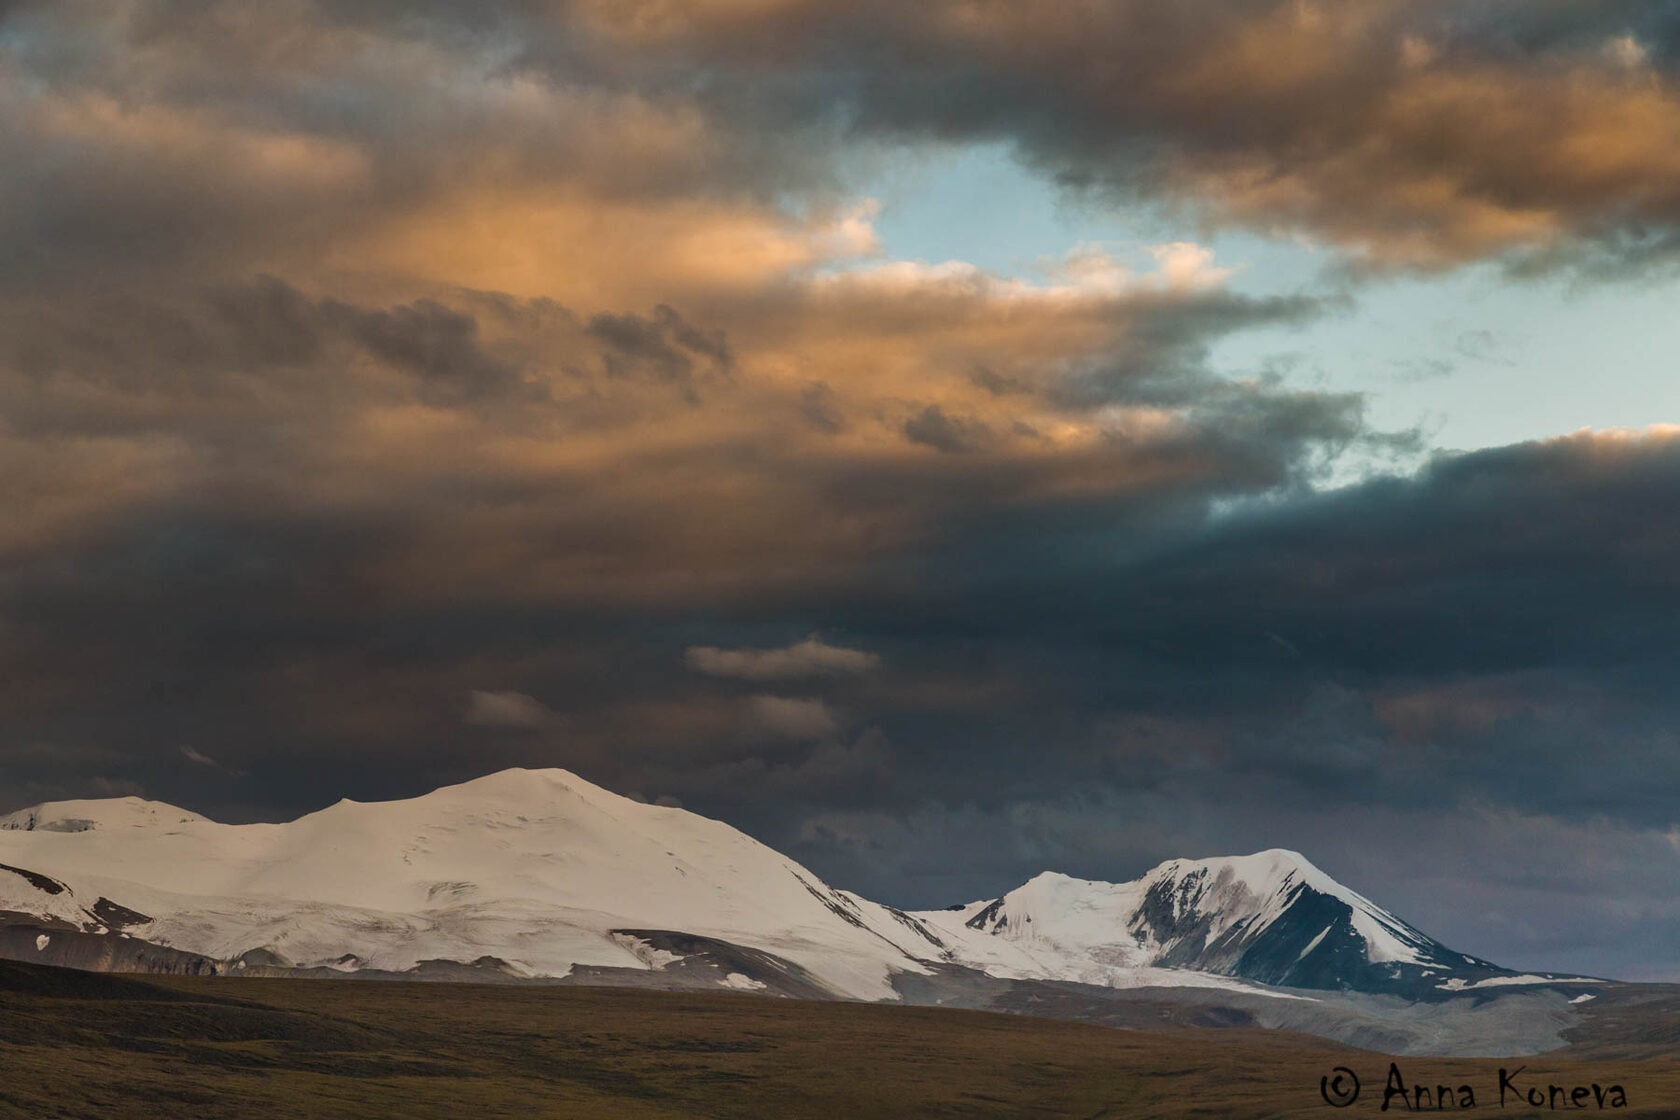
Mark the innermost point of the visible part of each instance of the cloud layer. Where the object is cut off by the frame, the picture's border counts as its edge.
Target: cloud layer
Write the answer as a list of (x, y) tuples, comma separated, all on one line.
[(390, 393), (809, 658)]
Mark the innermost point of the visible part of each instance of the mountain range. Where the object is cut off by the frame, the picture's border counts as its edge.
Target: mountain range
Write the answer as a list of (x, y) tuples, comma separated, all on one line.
[(540, 876)]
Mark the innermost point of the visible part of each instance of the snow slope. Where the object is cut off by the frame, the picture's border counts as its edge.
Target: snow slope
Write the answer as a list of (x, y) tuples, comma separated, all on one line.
[(547, 873), (1271, 917), (83, 816), (538, 868)]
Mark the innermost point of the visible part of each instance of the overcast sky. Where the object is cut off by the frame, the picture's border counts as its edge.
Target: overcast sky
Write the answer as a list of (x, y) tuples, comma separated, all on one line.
[(947, 440)]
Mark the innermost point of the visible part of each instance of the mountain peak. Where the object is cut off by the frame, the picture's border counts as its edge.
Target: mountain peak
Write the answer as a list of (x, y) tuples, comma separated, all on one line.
[(1286, 856), (1269, 863), (96, 813), (1271, 916), (524, 783), (515, 790)]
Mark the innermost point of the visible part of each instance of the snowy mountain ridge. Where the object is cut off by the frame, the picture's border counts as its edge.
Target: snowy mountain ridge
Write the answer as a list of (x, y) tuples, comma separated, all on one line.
[(84, 816), (1272, 917), (540, 874)]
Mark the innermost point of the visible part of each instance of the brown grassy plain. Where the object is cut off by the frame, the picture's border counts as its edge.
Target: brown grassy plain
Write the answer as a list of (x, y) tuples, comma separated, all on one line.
[(81, 1045)]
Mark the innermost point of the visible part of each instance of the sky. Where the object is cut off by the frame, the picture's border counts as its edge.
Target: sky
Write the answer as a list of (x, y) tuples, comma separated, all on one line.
[(948, 441)]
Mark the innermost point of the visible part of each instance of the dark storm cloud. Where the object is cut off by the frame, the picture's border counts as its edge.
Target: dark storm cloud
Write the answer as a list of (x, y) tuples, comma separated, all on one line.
[(1491, 632), (1495, 630), (246, 503)]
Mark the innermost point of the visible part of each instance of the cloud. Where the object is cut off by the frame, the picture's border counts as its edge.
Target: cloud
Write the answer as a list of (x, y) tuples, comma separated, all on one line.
[(349, 362), (809, 658), (931, 427), (1407, 135), (192, 755), (199, 758), (792, 718), (1484, 634), (615, 153), (508, 709)]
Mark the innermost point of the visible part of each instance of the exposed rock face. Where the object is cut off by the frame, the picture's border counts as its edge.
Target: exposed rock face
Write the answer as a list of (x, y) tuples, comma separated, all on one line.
[(96, 952)]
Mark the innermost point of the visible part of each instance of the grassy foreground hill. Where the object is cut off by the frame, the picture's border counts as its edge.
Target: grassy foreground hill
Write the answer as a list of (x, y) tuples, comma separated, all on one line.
[(83, 1045)]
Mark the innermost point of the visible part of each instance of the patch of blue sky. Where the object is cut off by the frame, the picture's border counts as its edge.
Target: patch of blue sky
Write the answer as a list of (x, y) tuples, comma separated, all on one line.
[(1473, 358)]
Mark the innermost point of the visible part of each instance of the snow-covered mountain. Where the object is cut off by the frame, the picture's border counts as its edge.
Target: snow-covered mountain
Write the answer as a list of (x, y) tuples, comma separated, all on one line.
[(537, 869), (539, 874), (1271, 917)]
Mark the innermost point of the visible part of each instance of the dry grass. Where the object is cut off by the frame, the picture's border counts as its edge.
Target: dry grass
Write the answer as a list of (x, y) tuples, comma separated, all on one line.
[(91, 1046)]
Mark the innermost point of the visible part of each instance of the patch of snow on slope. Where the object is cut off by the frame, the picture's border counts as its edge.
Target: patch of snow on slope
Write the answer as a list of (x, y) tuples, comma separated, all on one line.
[(1524, 980), (1314, 943)]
